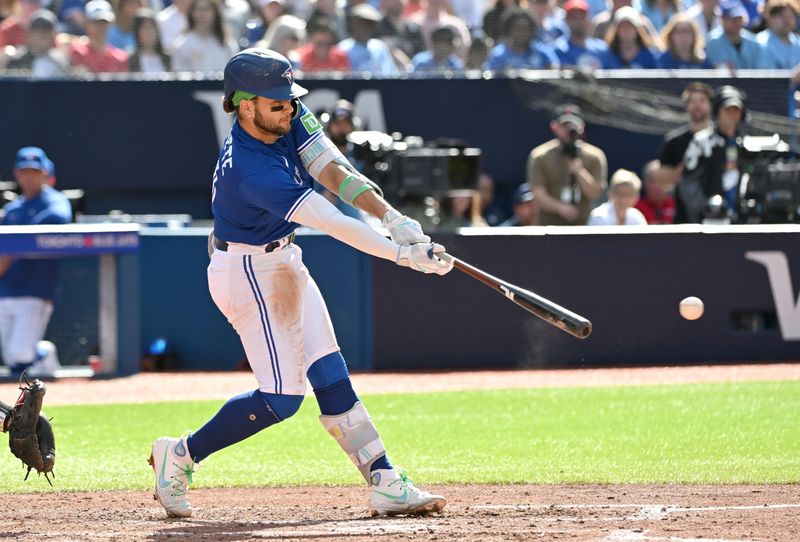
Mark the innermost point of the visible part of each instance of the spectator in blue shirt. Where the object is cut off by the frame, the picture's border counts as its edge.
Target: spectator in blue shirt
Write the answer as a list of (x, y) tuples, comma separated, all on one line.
[(781, 44), (367, 53), (685, 45), (518, 49), (754, 9), (442, 55), (580, 50), (478, 52), (120, 35), (731, 45), (658, 11), (629, 44), (602, 22), (549, 20)]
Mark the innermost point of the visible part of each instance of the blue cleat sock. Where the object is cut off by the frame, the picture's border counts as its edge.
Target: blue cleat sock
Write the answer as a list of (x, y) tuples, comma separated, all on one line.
[(381, 463), (335, 394), (242, 416)]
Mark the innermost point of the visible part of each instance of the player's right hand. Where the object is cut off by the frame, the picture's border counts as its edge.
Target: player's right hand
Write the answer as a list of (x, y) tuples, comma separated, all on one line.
[(423, 257), (404, 230)]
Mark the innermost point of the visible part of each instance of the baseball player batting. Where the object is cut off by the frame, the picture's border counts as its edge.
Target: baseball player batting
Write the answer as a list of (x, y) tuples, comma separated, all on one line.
[(262, 191)]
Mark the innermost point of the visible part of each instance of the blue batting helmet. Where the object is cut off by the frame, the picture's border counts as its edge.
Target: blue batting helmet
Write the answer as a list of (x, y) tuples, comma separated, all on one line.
[(262, 72)]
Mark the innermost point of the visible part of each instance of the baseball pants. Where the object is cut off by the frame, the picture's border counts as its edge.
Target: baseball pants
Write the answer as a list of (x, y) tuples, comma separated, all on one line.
[(23, 322), (277, 309)]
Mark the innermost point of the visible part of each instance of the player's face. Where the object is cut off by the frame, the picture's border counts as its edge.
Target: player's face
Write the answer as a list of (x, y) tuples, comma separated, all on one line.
[(30, 180), (273, 117)]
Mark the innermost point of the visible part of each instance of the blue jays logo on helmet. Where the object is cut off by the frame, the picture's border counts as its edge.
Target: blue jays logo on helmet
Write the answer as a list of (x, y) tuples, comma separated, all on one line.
[(262, 72), (289, 75)]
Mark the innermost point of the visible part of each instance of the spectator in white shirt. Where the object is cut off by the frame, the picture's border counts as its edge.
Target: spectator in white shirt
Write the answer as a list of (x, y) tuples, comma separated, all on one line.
[(205, 47), (433, 15), (619, 210), (172, 22), (365, 51), (707, 15), (149, 55)]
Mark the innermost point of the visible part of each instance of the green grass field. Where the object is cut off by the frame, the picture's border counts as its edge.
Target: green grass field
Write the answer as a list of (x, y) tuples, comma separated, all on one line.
[(713, 433)]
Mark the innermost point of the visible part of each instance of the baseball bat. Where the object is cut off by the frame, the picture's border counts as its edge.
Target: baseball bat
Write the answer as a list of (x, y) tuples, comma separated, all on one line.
[(550, 312)]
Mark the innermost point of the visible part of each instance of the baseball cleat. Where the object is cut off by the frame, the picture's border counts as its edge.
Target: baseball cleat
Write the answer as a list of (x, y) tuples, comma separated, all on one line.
[(391, 494), (173, 469)]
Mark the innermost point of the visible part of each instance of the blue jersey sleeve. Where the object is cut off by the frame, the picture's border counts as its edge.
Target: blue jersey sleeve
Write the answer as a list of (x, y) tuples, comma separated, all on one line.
[(59, 211), (305, 127), (276, 190), (312, 145)]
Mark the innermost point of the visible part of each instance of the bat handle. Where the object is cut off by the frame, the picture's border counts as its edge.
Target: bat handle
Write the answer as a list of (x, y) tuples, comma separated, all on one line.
[(444, 256)]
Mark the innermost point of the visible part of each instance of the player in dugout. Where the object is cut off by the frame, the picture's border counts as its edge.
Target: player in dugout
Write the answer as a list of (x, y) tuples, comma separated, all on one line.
[(28, 285), (262, 191)]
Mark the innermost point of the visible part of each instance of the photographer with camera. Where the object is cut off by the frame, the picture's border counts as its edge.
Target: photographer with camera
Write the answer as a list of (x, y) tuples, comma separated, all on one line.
[(567, 174), (711, 160)]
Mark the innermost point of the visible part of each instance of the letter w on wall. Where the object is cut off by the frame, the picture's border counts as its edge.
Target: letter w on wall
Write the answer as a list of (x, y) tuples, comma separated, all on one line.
[(780, 281)]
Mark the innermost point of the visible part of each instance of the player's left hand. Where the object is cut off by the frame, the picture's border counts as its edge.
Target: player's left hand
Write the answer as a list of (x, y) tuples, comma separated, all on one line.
[(30, 435), (404, 230)]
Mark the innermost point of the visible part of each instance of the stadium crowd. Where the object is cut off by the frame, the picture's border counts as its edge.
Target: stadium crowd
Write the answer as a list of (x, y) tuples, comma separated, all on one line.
[(54, 38)]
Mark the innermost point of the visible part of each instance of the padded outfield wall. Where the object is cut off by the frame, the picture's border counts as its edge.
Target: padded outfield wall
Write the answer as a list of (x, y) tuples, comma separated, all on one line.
[(628, 282)]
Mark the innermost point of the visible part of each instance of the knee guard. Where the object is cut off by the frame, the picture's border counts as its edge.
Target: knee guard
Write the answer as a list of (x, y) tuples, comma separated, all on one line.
[(357, 435), (282, 406)]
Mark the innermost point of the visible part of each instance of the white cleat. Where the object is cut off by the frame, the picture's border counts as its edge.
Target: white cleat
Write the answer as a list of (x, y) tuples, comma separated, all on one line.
[(173, 468), (391, 493)]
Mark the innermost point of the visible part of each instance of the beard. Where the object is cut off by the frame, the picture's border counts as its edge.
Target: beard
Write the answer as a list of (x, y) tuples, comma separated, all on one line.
[(273, 127), (698, 116)]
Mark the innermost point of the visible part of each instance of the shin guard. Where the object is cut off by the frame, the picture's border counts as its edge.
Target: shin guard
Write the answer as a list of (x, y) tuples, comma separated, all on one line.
[(357, 435)]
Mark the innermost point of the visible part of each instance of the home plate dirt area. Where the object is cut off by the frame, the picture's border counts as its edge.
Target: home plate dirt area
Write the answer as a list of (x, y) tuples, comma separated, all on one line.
[(517, 512), (672, 513)]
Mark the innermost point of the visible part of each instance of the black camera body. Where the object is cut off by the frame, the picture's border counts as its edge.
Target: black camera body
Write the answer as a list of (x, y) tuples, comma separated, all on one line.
[(770, 184), (412, 169)]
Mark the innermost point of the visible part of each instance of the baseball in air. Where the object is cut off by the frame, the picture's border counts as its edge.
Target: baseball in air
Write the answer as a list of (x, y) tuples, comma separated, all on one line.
[(691, 308)]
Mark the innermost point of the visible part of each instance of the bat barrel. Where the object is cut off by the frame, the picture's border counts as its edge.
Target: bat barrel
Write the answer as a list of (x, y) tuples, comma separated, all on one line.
[(552, 313)]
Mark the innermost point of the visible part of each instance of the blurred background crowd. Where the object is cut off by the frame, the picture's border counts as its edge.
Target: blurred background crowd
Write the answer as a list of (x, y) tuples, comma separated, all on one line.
[(52, 38)]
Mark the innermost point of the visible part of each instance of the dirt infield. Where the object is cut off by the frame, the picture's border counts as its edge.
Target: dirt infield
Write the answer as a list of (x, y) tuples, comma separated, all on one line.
[(199, 386), (675, 513), (485, 513)]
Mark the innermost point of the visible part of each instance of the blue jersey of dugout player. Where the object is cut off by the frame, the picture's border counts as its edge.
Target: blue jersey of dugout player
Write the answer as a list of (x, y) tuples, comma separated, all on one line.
[(262, 191)]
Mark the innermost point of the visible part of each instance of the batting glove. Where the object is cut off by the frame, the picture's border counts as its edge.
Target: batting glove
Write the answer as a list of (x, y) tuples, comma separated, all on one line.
[(424, 257), (403, 230)]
